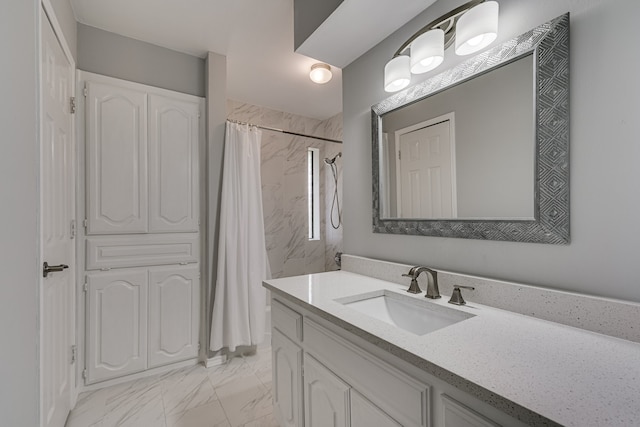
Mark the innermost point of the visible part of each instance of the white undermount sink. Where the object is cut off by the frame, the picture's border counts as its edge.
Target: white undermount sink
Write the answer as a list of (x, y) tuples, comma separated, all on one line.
[(411, 314)]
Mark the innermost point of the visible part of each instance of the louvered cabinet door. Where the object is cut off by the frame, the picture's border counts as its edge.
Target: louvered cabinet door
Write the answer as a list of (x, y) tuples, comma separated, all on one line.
[(116, 167), (173, 164)]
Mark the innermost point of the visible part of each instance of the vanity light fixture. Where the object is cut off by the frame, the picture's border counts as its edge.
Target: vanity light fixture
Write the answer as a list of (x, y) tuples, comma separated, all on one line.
[(472, 26), (320, 73)]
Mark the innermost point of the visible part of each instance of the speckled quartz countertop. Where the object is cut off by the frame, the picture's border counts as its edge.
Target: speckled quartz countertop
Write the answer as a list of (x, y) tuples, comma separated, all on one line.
[(563, 374)]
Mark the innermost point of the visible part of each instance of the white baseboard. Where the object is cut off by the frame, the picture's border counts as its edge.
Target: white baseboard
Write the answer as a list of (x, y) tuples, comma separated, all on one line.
[(215, 361)]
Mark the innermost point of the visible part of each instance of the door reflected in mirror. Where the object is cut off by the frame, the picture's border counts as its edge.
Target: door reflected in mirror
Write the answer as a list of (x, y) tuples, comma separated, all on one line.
[(467, 152)]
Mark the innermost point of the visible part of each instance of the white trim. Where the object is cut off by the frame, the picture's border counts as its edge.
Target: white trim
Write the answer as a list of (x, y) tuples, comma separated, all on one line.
[(57, 29), (100, 78), (212, 362), (451, 118), (143, 374), (49, 14)]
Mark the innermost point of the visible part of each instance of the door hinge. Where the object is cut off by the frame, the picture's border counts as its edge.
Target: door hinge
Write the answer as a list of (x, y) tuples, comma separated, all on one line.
[(399, 155), (85, 92), (85, 223), (85, 287), (84, 374), (74, 353), (73, 229), (72, 105), (198, 345)]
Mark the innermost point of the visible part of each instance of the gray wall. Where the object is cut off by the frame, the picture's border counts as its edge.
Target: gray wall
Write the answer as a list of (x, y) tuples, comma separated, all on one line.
[(308, 15), (67, 20), (19, 254), (494, 139), (117, 56), (602, 258)]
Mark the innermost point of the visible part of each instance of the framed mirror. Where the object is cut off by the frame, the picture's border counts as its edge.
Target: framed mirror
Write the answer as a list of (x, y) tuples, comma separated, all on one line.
[(480, 151)]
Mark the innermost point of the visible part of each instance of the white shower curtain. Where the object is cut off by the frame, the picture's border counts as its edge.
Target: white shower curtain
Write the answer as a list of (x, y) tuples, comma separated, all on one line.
[(239, 306)]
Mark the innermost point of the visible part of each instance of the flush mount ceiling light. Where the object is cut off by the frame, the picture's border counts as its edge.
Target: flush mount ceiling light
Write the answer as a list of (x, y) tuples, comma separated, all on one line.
[(472, 26), (320, 73)]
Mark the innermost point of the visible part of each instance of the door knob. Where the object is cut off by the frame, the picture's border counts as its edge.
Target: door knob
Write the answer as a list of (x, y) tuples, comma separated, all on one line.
[(46, 268)]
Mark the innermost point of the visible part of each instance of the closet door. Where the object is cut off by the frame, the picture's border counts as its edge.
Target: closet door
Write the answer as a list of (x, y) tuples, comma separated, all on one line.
[(117, 313), (174, 313), (173, 164), (117, 200)]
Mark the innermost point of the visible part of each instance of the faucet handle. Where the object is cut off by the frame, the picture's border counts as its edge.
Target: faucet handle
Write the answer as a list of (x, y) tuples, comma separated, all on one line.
[(456, 296), (414, 288)]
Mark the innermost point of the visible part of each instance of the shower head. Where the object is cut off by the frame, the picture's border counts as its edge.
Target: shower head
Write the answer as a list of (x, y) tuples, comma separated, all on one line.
[(333, 160)]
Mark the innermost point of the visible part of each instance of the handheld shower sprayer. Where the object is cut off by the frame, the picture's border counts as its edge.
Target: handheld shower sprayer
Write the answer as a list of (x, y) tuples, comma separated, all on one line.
[(335, 203), (333, 160)]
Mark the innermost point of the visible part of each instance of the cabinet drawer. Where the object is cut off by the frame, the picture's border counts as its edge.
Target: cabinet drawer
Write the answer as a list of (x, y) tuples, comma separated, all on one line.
[(458, 415), (393, 391), (141, 250), (286, 320)]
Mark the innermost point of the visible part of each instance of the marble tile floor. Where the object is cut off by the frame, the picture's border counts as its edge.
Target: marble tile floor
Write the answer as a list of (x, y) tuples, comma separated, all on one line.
[(236, 394)]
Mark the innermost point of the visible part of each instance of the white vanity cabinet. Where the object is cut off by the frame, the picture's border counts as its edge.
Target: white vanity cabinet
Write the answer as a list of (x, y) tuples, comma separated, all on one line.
[(344, 384)]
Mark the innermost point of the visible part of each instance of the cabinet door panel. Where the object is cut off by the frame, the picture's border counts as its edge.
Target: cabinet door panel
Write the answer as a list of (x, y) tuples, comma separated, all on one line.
[(326, 397), (366, 414), (287, 380), (117, 313), (173, 164), (174, 302), (117, 200)]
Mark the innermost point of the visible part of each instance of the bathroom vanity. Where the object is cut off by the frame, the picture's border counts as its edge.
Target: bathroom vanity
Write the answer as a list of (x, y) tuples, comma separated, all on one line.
[(353, 350)]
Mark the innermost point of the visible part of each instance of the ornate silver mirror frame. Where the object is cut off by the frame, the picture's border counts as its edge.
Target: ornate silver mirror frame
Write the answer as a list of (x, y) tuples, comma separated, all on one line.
[(549, 44)]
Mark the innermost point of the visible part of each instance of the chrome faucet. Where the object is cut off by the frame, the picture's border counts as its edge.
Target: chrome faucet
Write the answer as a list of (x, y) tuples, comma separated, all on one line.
[(432, 282)]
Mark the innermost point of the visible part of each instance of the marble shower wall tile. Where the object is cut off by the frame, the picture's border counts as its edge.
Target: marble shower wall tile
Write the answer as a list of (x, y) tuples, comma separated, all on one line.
[(284, 188), (333, 127)]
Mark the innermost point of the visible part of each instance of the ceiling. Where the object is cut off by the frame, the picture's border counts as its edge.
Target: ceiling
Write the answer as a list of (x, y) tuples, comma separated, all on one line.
[(255, 35)]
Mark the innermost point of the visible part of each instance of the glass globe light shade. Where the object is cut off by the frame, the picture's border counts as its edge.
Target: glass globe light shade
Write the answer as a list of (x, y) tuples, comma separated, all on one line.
[(320, 73)]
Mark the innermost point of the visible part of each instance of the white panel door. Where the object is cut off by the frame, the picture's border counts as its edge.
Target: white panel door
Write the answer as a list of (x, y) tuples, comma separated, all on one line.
[(117, 333), (57, 206), (173, 164), (117, 193), (287, 380), (174, 313), (426, 163), (326, 397), (366, 414)]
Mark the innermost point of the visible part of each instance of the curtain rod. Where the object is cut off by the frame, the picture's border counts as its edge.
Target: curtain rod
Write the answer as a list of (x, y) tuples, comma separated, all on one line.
[(285, 131)]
